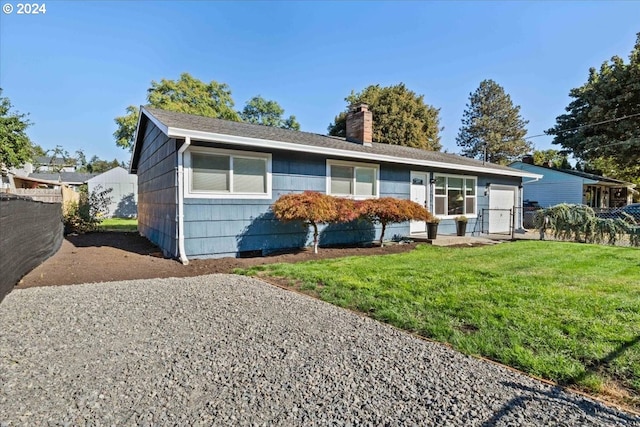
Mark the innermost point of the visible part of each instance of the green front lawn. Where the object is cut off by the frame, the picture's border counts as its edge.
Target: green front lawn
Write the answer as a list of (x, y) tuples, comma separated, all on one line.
[(563, 311), (119, 224)]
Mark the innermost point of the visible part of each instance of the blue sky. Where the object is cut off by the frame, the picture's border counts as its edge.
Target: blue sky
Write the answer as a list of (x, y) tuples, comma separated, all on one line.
[(81, 64)]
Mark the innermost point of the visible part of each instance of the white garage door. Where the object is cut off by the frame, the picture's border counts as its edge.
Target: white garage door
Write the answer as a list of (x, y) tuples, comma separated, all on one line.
[(501, 202)]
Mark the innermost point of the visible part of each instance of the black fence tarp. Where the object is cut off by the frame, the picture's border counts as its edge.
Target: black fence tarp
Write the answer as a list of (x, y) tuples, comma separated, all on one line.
[(30, 232)]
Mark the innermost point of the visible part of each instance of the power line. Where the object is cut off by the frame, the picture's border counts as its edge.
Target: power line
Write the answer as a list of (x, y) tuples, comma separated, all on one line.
[(629, 141), (585, 126)]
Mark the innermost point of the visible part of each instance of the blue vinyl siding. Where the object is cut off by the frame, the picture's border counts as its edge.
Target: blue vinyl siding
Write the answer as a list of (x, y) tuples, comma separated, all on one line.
[(474, 224), (554, 187), (217, 228), (157, 190), (226, 227)]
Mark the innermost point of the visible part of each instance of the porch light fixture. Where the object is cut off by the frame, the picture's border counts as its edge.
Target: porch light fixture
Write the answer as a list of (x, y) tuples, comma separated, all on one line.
[(486, 188), (432, 181)]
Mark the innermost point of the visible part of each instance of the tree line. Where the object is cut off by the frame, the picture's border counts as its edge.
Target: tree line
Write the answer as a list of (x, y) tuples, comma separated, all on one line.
[(600, 129)]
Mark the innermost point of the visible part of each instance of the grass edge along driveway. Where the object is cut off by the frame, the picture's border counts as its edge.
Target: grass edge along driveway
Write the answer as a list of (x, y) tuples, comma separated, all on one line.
[(566, 312)]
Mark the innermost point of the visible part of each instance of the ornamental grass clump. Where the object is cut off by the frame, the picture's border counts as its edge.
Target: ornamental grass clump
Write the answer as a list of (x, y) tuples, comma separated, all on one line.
[(580, 223)]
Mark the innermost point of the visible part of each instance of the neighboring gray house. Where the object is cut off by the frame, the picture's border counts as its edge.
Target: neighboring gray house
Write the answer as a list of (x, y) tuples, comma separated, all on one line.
[(124, 191), (576, 187), (205, 185), (54, 164)]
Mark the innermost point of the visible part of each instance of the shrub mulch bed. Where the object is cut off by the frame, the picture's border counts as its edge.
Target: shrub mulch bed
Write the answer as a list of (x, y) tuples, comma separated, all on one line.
[(109, 256)]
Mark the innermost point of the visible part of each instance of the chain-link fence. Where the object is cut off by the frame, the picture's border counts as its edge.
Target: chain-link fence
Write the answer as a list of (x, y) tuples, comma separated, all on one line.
[(610, 226), (497, 221), (615, 226), (629, 213)]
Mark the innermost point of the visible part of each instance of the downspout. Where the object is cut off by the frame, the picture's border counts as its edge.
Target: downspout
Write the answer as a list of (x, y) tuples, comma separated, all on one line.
[(181, 252), (521, 210)]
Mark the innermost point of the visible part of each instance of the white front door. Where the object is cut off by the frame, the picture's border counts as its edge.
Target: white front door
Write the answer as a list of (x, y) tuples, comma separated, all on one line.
[(502, 199), (420, 195)]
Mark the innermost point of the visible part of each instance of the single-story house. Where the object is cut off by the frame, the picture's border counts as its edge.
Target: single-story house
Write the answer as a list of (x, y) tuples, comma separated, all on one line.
[(54, 164), (70, 179), (124, 191), (205, 185), (38, 189), (25, 182), (575, 187)]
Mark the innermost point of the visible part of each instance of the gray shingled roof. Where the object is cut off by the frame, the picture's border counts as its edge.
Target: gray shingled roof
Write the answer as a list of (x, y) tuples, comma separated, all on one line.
[(580, 174), (54, 161), (206, 124), (64, 177), (588, 175)]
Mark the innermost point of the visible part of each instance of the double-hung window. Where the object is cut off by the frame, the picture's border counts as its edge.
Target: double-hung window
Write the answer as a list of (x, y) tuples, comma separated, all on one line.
[(455, 195), (348, 179), (226, 173)]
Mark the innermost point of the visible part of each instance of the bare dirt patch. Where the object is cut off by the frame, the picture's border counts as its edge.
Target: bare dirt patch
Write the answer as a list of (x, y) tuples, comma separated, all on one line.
[(105, 257)]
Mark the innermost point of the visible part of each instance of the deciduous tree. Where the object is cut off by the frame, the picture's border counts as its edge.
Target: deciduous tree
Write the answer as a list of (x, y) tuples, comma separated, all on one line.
[(59, 158), (97, 165), (387, 210), (313, 208), (603, 119), (15, 145), (186, 95), (492, 122), (269, 113), (126, 128), (557, 159), (400, 117)]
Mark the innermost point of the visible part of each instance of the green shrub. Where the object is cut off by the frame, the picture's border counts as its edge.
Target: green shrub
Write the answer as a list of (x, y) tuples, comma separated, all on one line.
[(580, 223), (85, 216)]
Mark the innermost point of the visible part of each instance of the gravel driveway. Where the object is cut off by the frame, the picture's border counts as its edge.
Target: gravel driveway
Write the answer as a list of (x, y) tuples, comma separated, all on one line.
[(231, 350)]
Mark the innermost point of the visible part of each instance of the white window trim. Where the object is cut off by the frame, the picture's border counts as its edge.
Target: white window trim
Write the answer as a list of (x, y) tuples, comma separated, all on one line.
[(475, 203), (225, 195), (374, 166)]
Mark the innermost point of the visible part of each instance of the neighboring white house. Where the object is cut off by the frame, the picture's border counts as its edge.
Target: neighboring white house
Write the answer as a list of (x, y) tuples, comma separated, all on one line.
[(577, 187), (124, 194)]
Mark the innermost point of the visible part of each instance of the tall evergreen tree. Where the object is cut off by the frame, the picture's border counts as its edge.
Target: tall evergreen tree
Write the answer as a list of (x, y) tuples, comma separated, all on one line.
[(400, 117), (492, 122), (602, 123)]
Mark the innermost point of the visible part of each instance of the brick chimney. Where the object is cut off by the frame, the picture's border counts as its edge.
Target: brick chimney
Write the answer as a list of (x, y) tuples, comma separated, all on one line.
[(360, 125), (528, 159)]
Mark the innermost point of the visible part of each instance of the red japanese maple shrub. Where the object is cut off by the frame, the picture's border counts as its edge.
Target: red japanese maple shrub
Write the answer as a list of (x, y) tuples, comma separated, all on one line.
[(314, 208), (386, 210)]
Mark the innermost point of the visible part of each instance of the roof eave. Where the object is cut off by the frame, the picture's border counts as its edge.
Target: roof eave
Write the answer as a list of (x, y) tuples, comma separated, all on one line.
[(173, 132), (42, 181), (586, 180), (135, 152)]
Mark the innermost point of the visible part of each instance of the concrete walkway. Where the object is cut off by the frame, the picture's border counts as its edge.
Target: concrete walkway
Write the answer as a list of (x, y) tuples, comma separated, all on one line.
[(473, 240)]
